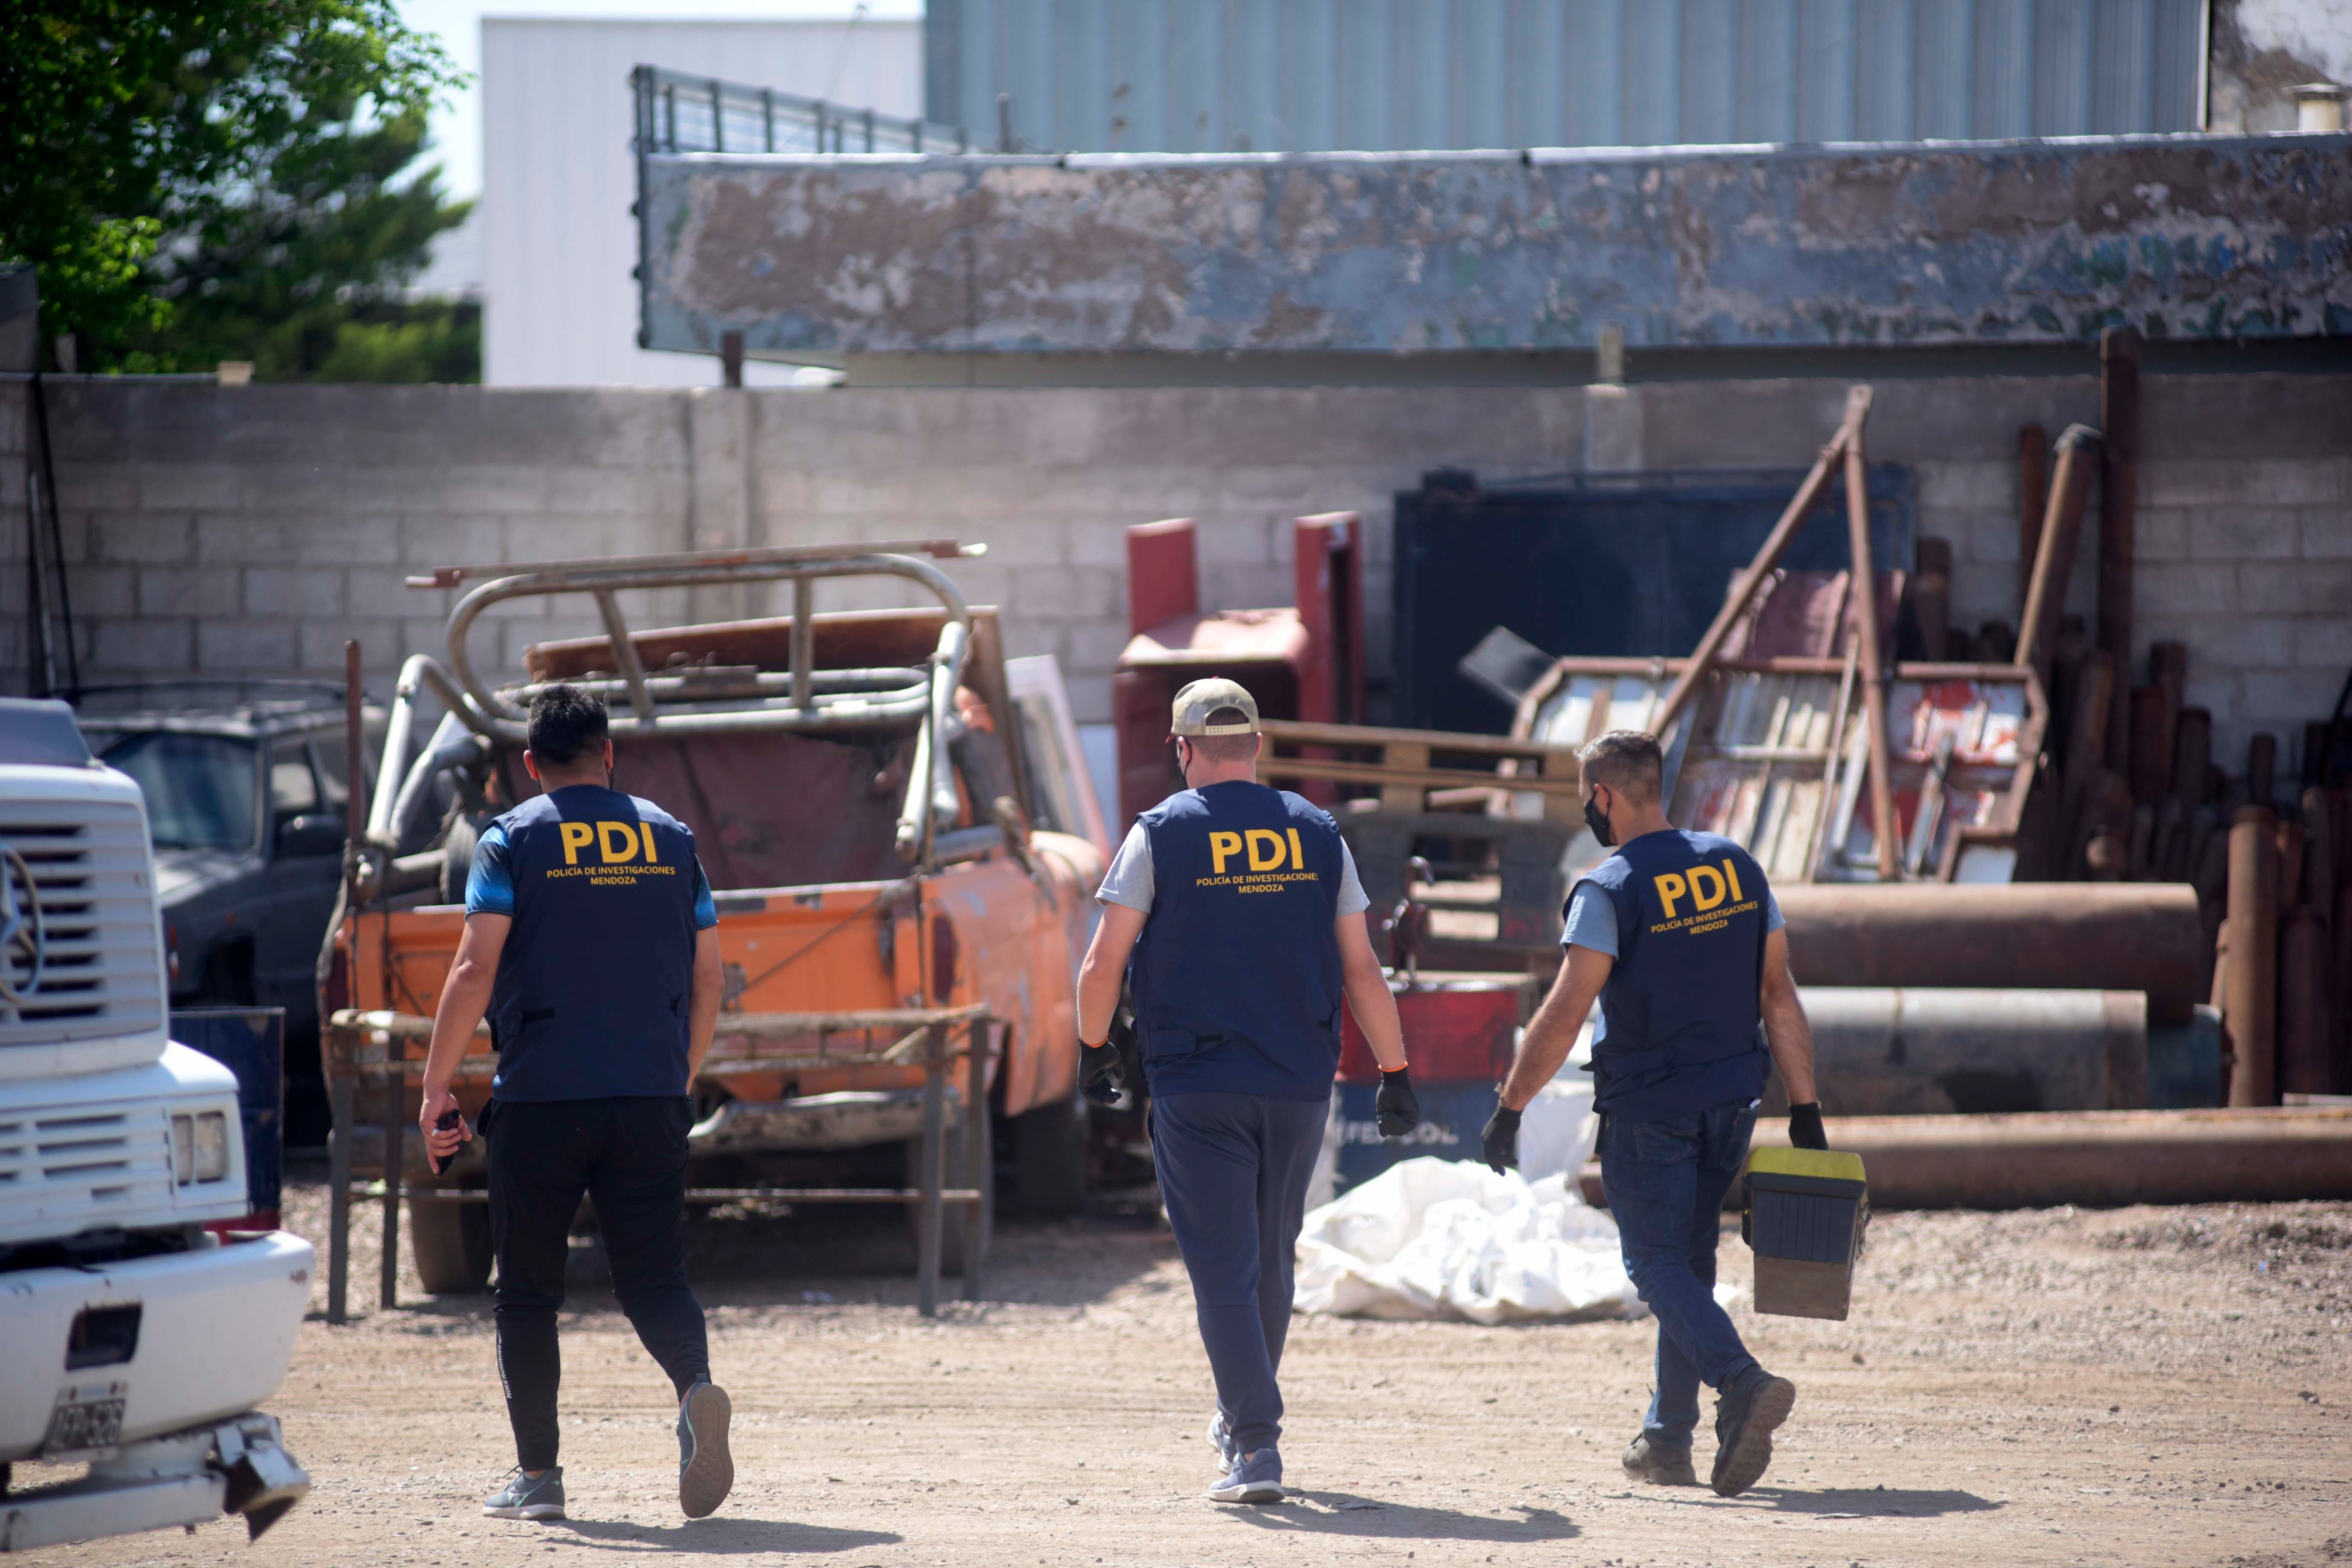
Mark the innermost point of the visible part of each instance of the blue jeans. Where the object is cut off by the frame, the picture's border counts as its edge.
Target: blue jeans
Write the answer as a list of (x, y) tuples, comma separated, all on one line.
[(1665, 1182), (1233, 1170)]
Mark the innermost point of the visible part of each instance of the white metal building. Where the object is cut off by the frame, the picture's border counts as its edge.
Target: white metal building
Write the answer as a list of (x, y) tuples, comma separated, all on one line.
[(559, 306)]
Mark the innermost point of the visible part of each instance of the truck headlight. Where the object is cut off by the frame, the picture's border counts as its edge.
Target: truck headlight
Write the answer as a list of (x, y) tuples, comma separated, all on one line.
[(199, 1147)]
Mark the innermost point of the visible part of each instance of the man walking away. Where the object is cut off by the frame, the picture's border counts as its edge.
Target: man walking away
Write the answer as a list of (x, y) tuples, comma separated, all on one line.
[(591, 941), (1236, 912), (1681, 938)]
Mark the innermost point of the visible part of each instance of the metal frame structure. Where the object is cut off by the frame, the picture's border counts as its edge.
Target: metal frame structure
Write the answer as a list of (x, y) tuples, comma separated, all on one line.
[(801, 698), (376, 1046)]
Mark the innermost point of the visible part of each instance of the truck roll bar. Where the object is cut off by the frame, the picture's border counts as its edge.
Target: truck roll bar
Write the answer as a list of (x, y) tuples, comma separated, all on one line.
[(801, 707), (672, 704)]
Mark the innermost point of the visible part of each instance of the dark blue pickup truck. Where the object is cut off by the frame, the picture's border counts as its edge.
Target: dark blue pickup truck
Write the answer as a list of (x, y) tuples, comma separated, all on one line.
[(246, 783)]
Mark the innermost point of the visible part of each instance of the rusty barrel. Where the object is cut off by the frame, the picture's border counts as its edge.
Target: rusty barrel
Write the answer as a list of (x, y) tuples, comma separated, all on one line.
[(2059, 936)]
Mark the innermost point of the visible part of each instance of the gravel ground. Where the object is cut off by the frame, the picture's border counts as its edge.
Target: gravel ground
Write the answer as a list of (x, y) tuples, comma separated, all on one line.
[(2132, 1386)]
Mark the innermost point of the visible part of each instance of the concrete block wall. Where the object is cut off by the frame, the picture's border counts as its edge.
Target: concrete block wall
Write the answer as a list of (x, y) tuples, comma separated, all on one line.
[(250, 530)]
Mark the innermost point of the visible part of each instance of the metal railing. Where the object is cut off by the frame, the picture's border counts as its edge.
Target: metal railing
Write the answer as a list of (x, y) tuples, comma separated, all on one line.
[(681, 113)]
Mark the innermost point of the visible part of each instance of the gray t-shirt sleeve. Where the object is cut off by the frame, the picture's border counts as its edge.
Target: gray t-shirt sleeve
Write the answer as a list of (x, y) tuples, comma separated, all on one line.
[(1129, 883), (1353, 901), (1592, 918)]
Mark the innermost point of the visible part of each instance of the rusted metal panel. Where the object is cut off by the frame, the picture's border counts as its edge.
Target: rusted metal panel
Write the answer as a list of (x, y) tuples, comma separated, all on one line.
[(2045, 241)]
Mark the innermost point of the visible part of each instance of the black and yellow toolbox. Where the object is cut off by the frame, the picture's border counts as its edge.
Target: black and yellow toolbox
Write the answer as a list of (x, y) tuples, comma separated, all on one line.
[(1805, 1214)]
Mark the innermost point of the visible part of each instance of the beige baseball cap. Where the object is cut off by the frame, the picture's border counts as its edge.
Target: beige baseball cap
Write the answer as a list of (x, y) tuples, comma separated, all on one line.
[(1203, 698)]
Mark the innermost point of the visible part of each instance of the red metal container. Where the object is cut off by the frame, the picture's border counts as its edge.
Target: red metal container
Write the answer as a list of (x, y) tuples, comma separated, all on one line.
[(1305, 661), (1458, 1028)]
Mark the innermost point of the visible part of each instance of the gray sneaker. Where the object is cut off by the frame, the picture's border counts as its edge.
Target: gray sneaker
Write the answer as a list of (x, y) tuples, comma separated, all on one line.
[(1221, 1438), (1252, 1478), (1660, 1466), (706, 1471), (1746, 1414), (525, 1497)]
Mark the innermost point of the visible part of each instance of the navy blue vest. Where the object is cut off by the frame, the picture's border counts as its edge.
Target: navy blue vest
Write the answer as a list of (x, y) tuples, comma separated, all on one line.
[(590, 1001), (1236, 975), (1685, 1028)]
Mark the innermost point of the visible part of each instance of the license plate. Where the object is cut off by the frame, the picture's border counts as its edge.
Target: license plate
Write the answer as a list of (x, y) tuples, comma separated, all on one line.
[(89, 1416)]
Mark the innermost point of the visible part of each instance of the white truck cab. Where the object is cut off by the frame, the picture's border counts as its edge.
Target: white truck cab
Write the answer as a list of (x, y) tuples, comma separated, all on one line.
[(135, 1338)]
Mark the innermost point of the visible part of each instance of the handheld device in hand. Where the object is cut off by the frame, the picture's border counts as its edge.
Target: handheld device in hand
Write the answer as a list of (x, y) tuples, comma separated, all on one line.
[(447, 1123)]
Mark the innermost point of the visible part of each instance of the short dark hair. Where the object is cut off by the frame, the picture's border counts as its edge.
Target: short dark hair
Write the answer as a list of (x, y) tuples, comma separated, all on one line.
[(1628, 761), (565, 722), (1225, 748)]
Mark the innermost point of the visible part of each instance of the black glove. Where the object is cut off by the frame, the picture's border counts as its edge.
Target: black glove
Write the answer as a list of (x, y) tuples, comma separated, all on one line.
[(1500, 1144), (1398, 1108), (1805, 1127), (1100, 1074)]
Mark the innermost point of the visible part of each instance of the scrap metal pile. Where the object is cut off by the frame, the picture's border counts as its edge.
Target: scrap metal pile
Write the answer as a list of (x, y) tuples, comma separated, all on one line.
[(2005, 944)]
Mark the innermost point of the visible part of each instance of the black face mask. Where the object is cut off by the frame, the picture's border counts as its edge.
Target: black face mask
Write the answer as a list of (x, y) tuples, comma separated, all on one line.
[(1598, 820)]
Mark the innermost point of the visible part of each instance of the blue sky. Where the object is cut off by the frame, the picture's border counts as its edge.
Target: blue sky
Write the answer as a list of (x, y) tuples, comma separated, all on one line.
[(458, 129)]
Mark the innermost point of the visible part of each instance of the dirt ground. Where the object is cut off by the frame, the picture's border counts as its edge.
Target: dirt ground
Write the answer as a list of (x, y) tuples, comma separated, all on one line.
[(2137, 1387)]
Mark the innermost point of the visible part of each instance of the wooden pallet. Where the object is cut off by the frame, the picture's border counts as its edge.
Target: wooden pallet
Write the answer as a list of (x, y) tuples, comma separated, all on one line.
[(1404, 768)]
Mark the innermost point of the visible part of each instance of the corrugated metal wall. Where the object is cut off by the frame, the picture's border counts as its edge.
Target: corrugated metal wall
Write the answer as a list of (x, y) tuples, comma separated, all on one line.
[(559, 307), (1209, 75)]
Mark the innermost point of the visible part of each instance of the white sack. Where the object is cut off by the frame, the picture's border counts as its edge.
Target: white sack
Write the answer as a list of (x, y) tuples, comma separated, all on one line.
[(1447, 1238), (1558, 1129)]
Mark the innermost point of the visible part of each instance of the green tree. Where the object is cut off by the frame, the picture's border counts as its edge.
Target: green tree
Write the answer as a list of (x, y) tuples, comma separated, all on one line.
[(214, 179)]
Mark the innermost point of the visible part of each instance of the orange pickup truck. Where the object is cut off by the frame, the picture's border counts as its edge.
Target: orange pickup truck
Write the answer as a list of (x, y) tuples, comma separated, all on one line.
[(892, 815)]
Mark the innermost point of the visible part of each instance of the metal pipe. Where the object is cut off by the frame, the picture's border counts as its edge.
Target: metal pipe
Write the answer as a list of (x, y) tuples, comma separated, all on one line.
[(625, 654), (2118, 496), (588, 573), (2032, 495), (2248, 980), (932, 1172), (342, 1095), (803, 642), (395, 1102), (913, 817), (930, 778), (2306, 1032), (2053, 558), (452, 745), (976, 1151), (1776, 544), (2129, 936), (1884, 827), (725, 572), (947, 674), (1912, 1051), (398, 726), (2097, 1158), (708, 686)]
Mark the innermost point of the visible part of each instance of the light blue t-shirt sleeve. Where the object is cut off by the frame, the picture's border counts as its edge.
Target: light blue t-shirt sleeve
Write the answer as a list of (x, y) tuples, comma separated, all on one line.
[(1772, 921), (489, 884), (705, 908), (1591, 920)]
